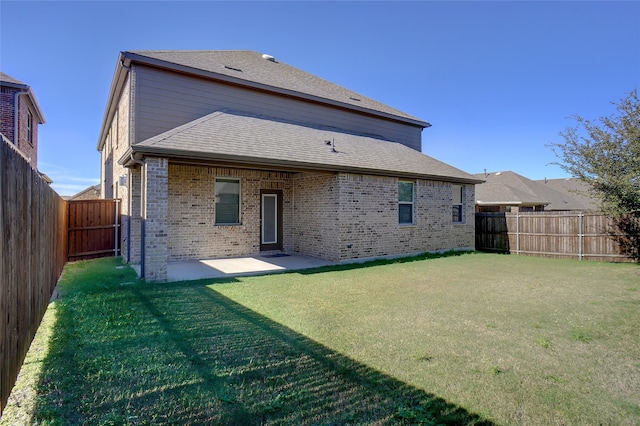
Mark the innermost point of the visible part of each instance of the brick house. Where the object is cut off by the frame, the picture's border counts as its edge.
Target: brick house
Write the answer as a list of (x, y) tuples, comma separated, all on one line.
[(20, 115), (230, 153)]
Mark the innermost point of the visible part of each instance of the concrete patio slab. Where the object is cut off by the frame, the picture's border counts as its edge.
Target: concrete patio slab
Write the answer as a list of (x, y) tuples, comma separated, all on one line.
[(240, 266)]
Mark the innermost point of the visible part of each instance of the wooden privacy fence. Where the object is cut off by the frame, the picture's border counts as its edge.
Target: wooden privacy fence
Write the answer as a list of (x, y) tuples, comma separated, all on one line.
[(34, 251), (94, 228), (577, 235)]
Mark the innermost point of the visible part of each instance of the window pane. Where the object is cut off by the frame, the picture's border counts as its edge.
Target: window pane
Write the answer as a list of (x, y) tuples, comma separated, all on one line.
[(269, 216), (457, 213), (405, 192), (405, 213), (457, 194), (227, 201)]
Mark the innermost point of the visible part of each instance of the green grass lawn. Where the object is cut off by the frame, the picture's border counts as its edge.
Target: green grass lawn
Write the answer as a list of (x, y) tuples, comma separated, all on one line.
[(467, 339)]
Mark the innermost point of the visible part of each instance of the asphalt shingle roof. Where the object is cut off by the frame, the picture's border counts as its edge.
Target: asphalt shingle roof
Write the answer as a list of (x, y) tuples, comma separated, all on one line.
[(504, 188), (251, 67), (233, 136), (7, 78)]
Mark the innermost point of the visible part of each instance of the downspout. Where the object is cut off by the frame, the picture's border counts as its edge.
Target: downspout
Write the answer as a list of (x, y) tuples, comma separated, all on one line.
[(16, 110), (142, 201)]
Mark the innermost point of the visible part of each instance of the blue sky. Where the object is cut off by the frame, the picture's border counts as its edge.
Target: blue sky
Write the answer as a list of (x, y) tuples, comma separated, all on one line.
[(497, 80)]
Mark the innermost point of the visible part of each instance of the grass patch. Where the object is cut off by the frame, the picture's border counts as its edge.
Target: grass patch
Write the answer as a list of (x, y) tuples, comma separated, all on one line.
[(435, 340), (519, 340), (181, 353), (544, 342)]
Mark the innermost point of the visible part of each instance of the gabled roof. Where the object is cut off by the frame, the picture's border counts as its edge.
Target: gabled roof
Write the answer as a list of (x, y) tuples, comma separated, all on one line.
[(253, 70), (263, 142), (511, 189), (8, 81), (265, 72), (5, 78), (91, 192)]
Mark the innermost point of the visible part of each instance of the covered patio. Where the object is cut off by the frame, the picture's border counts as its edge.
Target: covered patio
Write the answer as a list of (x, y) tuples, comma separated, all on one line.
[(239, 266)]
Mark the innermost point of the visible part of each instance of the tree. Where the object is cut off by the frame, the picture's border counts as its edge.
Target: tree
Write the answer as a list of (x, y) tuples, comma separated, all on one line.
[(605, 154)]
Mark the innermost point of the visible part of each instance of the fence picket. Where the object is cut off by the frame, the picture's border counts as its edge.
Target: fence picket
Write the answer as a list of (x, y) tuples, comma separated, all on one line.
[(33, 247), (576, 235)]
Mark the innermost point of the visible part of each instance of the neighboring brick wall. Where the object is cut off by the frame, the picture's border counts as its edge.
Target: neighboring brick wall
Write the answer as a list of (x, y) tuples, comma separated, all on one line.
[(6, 112), (30, 149), (7, 123), (156, 205)]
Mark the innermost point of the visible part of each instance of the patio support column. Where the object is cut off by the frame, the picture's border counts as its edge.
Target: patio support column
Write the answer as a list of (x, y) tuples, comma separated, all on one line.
[(155, 206), (134, 237)]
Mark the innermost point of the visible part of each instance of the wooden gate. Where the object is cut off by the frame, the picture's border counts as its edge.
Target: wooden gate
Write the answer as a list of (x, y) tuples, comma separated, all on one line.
[(94, 229)]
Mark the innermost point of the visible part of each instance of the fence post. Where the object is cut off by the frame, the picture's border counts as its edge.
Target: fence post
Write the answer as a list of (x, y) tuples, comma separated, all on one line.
[(580, 236), (518, 233)]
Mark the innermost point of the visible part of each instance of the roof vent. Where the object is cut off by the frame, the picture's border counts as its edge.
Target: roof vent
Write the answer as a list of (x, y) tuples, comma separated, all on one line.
[(268, 57)]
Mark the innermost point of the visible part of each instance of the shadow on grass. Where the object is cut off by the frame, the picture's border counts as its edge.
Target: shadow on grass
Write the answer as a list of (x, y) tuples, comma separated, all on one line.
[(182, 353), (379, 262)]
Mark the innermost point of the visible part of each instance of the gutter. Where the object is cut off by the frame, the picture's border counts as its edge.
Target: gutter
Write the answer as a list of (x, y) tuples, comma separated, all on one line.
[(128, 160)]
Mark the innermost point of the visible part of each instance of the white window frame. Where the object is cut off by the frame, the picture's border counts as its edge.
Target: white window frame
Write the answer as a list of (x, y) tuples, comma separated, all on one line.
[(454, 204), (409, 203), (239, 212)]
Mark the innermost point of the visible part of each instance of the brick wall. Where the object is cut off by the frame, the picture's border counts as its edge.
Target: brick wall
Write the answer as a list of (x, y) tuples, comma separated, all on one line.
[(191, 228), (6, 112), (369, 225), (116, 144), (335, 216), (7, 123), (316, 215), (155, 210)]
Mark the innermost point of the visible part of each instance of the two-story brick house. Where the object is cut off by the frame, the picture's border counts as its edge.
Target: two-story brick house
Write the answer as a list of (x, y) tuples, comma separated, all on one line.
[(229, 153), (20, 116)]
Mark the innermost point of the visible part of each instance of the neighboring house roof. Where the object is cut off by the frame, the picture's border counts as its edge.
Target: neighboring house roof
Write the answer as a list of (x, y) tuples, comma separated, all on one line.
[(253, 70), (506, 188), (8, 81), (576, 194), (511, 189), (92, 192), (251, 140)]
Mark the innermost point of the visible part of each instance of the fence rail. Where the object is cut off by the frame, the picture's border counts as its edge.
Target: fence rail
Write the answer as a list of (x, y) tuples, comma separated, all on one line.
[(33, 247), (576, 235)]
